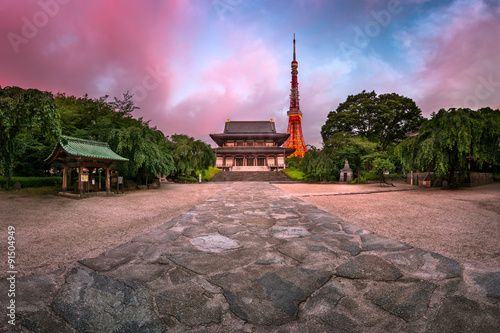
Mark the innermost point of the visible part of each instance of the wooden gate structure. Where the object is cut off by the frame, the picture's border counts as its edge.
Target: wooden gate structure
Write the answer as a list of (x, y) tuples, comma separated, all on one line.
[(79, 154)]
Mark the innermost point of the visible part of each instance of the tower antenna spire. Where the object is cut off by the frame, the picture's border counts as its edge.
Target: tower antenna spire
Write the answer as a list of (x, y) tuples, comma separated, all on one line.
[(296, 139)]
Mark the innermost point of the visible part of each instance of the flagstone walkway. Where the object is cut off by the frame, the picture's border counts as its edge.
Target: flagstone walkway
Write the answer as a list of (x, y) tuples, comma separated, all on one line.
[(254, 258)]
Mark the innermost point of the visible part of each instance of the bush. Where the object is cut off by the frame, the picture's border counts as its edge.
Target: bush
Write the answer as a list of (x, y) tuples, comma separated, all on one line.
[(188, 179), (33, 181), (361, 180), (370, 176), (207, 175), (294, 174)]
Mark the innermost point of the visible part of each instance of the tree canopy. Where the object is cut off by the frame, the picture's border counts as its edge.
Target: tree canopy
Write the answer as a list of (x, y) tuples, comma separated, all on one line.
[(25, 113), (32, 121), (383, 118), (450, 140)]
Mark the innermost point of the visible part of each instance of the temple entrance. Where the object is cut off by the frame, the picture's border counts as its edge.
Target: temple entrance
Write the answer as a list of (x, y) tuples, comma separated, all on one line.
[(250, 161), (261, 161), (238, 161)]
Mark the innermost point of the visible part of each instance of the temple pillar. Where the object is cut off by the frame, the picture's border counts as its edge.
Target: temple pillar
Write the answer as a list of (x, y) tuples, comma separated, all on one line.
[(65, 179), (80, 182), (108, 180)]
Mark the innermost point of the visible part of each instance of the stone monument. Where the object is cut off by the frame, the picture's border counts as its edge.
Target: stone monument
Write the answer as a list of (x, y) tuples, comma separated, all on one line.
[(346, 173)]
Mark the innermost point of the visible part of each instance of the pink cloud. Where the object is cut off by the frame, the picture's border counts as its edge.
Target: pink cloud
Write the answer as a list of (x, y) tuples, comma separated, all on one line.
[(462, 68), (244, 86)]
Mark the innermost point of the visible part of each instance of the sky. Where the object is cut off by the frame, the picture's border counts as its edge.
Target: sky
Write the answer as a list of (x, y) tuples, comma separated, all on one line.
[(192, 64)]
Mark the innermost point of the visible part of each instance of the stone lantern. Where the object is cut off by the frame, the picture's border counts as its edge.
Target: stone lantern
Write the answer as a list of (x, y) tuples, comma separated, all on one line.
[(346, 173)]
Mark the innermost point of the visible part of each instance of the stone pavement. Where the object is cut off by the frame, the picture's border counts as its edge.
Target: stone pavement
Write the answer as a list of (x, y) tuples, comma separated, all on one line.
[(253, 258)]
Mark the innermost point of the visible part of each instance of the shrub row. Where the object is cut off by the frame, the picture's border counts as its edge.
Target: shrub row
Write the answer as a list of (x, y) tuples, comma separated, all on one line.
[(33, 181)]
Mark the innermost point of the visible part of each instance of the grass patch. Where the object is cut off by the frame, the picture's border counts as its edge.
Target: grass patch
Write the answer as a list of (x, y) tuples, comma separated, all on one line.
[(33, 181), (207, 175), (37, 191), (188, 179), (294, 174)]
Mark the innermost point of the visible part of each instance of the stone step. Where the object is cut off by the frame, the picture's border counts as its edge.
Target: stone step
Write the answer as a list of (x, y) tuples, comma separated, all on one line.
[(245, 176)]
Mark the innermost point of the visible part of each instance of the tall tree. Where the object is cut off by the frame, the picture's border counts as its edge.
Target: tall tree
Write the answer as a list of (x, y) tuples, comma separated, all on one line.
[(316, 164), (190, 154), (355, 149), (384, 118), (23, 112), (450, 140), (142, 146)]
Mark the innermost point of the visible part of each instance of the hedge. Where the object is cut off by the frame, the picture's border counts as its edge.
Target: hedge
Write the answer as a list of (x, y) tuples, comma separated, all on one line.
[(33, 181)]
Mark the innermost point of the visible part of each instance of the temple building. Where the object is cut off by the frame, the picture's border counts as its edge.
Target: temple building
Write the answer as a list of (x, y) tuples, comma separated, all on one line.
[(251, 146)]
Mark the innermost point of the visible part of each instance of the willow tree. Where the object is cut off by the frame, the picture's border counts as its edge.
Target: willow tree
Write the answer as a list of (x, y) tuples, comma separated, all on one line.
[(190, 154), (450, 140), (23, 113), (143, 147)]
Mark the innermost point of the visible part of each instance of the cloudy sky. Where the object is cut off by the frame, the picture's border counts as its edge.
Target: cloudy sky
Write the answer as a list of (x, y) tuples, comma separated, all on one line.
[(191, 64)]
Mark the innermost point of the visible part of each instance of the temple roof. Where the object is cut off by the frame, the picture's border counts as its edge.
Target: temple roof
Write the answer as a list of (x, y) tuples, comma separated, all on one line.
[(249, 130), (76, 147), (249, 127), (254, 150)]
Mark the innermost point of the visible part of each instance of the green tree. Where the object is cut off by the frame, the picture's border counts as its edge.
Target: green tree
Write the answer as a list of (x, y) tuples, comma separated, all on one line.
[(24, 112), (381, 165), (384, 118), (190, 154), (143, 147), (450, 140), (342, 146), (316, 164)]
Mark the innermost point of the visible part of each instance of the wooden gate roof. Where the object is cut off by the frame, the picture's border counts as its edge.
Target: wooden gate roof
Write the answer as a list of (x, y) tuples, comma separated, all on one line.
[(81, 148)]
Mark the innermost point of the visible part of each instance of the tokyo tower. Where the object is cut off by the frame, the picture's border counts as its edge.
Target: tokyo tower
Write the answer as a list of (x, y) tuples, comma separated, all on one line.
[(296, 139)]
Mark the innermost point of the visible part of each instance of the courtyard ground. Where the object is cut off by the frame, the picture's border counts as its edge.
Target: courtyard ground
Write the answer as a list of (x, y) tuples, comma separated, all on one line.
[(54, 232), (256, 257), (463, 225)]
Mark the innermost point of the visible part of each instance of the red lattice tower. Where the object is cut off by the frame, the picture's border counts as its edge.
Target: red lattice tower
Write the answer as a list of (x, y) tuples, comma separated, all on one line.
[(296, 139)]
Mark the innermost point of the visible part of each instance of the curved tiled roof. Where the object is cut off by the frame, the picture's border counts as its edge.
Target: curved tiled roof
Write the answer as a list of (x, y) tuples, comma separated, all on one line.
[(77, 147)]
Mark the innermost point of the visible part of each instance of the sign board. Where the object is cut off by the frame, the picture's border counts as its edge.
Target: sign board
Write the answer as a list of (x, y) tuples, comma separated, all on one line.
[(120, 180), (85, 178)]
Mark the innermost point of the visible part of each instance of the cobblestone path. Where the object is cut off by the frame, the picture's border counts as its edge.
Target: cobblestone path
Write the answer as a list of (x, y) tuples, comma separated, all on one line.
[(253, 258)]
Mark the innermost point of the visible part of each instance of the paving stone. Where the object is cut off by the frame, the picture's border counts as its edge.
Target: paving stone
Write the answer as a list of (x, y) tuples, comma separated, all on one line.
[(408, 301), (353, 229), (29, 301), (425, 264), (91, 302), (310, 254), (369, 267), (373, 242), (324, 218), (345, 242), (488, 283), (214, 243), (268, 295), (43, 321), (190, 304), (289, 232), (113, 258), (213, 263), (139, 272), (329, 295), (161, 234), (338, 322), (330, 228), (229, 230), (458, 314)]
